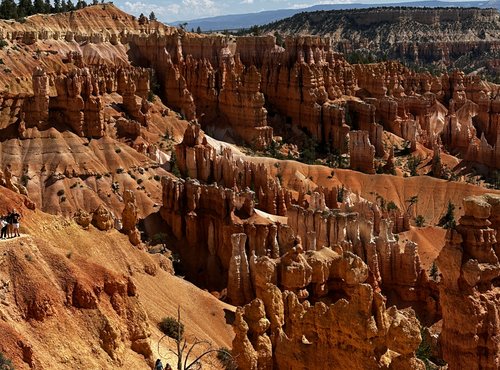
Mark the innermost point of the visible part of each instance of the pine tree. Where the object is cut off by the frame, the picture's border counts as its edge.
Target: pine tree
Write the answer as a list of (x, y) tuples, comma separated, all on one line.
[(64, 6), (47, 8), (81, 4), (448, 220), (8, 9), (24, 8), (198, 29), (57, 6), (38, 7), (434, 271), (70, 6), (152, 16)]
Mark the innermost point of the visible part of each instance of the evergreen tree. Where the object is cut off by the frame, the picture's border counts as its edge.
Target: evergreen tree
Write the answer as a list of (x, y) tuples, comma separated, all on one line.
[(434, 271), (8, 9), (70, 6), (152, 16), (448, 220), (38, 7), (64, 6), (57, 6), (81, 4), (198, 29), (47, 7), (24, 8)]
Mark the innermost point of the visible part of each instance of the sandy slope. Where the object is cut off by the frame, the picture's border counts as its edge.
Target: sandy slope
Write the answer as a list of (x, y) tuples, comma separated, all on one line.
[(54, 248)]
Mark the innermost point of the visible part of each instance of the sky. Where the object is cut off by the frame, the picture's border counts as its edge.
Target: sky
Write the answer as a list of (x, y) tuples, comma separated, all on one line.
[(174, 10)]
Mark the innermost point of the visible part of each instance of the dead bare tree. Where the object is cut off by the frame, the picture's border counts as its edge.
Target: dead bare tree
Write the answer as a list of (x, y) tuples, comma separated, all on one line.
[(185, 352)]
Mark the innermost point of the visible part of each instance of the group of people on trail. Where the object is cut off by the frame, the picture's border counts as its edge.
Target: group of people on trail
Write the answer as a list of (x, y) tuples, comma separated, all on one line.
[(159, 366), (10, 225)]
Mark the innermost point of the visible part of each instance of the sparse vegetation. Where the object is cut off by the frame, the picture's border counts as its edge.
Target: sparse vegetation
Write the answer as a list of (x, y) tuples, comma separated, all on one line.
[(5, 363), (171, 327), (25, 179), (420, 221), (424, 350), (340, 194), (184, 350), (60, 192), (173, 165), (448, 220), (434, 271), (309, 148), (392, 206), (226, 360), (412, 165)]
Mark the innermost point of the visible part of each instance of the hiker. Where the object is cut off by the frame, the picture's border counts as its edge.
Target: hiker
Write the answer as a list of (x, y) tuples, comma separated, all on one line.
[(158, 365), (8, 219), (5, 225), (15, 217)]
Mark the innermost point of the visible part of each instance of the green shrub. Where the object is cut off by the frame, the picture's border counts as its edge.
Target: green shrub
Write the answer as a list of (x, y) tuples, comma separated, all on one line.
[(226, 359), (151, 96), (3, 44), (434, 271), (5, 363), (412, 164), (171, 327), (157, 177), (173, 165), (424, 350), (420, 221), (60, 192), (448, 220), (118, 150), (24, 179), (392, 206)]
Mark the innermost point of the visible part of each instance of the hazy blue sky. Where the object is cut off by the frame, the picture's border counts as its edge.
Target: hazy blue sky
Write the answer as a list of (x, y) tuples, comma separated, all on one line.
[(171, 10)]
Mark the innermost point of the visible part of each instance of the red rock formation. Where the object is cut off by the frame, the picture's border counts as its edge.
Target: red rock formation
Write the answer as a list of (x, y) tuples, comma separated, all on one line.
[(470, 268), (130, 217), (277, 330), (197, 159), (361, 152), (103, 219), (239, 288), (79, 99), (82, 218), (206, 216), (37, 107)]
